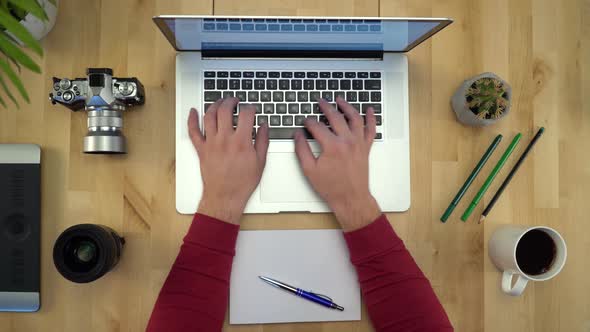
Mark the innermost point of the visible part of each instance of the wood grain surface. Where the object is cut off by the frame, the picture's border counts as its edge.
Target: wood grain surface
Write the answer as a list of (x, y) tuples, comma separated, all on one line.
[(542, 47)]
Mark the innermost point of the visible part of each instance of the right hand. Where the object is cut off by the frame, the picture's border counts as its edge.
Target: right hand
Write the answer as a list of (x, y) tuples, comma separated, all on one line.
[(340, 175)]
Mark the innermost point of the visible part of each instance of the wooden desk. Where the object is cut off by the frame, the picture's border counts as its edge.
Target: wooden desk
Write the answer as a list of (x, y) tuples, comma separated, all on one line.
[(540, 46)]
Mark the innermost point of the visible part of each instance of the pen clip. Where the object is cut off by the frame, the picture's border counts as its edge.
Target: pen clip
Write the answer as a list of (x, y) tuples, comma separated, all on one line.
[(322, 296)]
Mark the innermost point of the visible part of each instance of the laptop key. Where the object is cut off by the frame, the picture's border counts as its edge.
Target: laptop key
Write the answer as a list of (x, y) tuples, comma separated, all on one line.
[(350, 74), (241, 95), (265, 96), (332, 84), (209, 74), (302, 96), (206, 107), (277, 96), (363, 74), (281, 108), (378, 136), (378, 119), (357, 84), (299, 120), (299, 74), (314, 96), (235, 74), (261, 74), (287, 74), (356, 106), (253, 96), (271, 84), (258, 108), (209, 84), (316, 109), (268, 108), (293, 108), (306, 108), (376, 96), (290, 96), (375, 75), (274, 74), (308, 84), (221, 84), (345, 84), (228, 94), (340, 94), (363, 96), (222, 74), (312, 74), (275, 120), (337, 74), (283, 84), (287, 120), (372, 85), (234, 84), (325, 74), (320, 84), (212, 95), (248, 74), (313, 117), (351, 96), (286, 133), (376, 108), (327, 95), (324, 120), (246, 84), (296, 84), (261, 119), (259, 84)]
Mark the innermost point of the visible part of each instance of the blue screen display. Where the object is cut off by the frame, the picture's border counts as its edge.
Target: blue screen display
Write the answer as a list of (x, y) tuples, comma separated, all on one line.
[(296, 34)]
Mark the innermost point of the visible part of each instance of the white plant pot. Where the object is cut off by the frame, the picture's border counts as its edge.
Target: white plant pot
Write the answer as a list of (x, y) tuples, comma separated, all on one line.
[(464, 114), (38, 28)]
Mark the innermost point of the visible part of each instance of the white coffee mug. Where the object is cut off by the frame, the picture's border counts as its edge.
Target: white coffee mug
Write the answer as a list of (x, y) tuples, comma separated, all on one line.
[(502, 251)]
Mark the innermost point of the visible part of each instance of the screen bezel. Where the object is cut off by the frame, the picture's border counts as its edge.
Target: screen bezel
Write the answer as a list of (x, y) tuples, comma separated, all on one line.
[(443, 22)]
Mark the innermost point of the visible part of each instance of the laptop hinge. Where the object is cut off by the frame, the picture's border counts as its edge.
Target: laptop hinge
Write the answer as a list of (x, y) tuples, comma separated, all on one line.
[(292, 54)]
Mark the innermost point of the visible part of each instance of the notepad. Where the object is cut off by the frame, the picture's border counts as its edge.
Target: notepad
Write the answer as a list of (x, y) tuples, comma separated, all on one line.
[(314, 260)]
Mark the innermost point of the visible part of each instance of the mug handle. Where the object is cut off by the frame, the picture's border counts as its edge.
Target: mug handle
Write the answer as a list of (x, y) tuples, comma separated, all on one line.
[(518, 287)]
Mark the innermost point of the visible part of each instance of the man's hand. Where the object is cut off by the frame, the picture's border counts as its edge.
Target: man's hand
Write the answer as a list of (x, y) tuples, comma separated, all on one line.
[(340, 175), (231, 166)]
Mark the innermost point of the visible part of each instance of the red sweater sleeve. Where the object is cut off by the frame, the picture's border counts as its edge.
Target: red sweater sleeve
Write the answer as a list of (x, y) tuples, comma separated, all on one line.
[(195, 294), (397, 294)]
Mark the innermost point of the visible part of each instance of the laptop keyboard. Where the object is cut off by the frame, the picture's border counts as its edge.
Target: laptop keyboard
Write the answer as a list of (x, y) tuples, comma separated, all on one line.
[(291, 25), (284, 99)]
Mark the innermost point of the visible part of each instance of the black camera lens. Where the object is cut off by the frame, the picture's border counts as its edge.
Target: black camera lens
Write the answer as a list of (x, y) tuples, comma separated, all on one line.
[(86, 252)]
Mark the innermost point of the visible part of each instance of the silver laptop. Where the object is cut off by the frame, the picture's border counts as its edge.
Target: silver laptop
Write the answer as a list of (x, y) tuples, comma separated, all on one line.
[(282, 65)]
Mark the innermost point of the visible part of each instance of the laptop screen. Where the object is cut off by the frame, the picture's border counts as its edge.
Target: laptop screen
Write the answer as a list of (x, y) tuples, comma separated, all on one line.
[(189, 33)]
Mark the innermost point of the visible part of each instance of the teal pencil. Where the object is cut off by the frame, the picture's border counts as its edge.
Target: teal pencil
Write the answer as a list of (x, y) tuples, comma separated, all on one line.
[(491, 177)]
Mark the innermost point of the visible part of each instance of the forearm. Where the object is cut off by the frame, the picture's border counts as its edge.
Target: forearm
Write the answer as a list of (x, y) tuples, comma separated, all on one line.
[(195, 294), (396, 292)]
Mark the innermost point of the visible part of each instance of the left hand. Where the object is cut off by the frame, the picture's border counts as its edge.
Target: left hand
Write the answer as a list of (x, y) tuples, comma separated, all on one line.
[(231, 165)]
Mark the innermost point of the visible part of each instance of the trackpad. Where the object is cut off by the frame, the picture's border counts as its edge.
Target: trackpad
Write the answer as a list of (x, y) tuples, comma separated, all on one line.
[(283, 180)]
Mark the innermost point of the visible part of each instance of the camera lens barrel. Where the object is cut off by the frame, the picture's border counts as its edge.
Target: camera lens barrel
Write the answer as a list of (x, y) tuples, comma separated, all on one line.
[(86, 252), (105, 135)]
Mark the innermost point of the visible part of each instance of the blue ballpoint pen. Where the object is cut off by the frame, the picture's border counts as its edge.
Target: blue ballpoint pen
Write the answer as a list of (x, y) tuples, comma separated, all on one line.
[(310, 296)]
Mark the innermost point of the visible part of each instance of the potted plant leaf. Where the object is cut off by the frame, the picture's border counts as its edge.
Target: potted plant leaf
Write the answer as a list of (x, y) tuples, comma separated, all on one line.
[(22, 24), (482, 100)]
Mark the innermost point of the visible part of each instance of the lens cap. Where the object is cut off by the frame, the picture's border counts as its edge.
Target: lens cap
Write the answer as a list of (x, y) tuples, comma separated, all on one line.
[(86, 252)]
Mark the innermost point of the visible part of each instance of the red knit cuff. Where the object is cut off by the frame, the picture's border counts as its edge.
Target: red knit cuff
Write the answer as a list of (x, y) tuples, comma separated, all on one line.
[(371, 240), (213, 233)]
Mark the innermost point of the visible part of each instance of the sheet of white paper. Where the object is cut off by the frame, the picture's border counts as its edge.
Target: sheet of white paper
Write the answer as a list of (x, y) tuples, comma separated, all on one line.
[(313, 260)]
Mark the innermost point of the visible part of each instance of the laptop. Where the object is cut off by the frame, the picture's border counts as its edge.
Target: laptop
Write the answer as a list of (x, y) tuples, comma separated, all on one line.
[(282, 65)]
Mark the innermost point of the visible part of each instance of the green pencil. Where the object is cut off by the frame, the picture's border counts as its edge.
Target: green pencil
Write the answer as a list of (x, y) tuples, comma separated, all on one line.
[(471, 177), (491, 177)]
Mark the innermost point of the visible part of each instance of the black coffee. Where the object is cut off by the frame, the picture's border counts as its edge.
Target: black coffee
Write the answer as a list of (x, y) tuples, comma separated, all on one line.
[(535, 252)]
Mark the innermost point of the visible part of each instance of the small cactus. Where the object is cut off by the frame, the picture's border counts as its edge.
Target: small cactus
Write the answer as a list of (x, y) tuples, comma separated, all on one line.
[(487, 98)]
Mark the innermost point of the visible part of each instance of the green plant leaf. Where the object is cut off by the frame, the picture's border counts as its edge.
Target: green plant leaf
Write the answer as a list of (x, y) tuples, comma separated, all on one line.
[(8, 93), (14, 52), (5, 67), (2, 102), (30, 6), (20, 32)]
